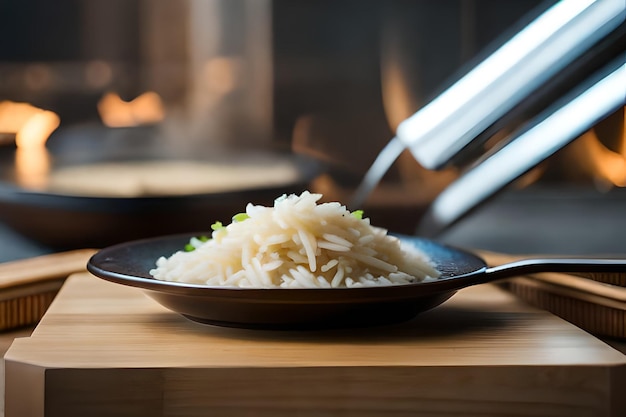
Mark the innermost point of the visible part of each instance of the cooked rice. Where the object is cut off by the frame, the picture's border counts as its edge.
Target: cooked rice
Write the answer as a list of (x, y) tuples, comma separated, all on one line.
[(297, 244)]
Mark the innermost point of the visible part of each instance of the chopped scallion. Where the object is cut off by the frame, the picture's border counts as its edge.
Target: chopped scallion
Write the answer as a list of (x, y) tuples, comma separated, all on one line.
[(239, 217), (358, 214)]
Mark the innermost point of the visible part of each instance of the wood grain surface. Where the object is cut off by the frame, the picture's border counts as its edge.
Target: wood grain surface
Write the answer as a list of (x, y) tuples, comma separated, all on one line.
[(43, 268), (103, 349), (27, 287)]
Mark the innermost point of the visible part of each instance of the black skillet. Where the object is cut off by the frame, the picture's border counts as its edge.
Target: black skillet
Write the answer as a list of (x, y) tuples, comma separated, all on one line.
[(130, 263), (67, 221)]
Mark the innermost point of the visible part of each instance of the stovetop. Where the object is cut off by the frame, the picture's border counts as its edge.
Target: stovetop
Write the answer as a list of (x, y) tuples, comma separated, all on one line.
[(549, 220)]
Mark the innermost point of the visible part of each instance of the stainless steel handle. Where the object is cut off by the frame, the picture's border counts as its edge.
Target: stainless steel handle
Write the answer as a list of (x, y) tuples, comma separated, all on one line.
[(441, 129), (601, 95)]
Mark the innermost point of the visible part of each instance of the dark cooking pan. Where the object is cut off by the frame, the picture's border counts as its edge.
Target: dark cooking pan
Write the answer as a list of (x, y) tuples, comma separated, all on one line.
[(130, 263), (76, 220)]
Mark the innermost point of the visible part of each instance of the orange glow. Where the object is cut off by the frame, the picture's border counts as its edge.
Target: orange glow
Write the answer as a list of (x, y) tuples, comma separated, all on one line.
[(607, 164), (398, 102), (13, 115), (37, 129), (32, 127), (144, 109), (603, 163), (32, 166)]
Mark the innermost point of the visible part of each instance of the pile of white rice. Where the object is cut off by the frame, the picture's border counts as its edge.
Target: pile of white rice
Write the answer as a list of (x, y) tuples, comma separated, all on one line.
[(298, 243)]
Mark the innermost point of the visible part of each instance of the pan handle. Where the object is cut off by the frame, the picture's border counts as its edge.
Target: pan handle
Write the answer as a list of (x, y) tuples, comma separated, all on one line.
[(608, 271)]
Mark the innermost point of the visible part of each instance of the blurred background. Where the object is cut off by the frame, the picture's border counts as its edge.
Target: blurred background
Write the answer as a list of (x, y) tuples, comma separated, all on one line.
[(96, 96)]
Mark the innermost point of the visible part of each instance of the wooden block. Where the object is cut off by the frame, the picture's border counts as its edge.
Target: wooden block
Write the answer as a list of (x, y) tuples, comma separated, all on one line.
[(105, 349)]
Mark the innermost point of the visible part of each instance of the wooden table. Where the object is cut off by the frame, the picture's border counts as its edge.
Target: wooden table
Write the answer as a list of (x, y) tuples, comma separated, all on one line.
[(103, 349)]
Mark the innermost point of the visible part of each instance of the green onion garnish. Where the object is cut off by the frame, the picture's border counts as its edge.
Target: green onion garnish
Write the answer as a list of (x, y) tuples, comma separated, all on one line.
[(217, 226), (194, 242), (239, 217), (358, 214)]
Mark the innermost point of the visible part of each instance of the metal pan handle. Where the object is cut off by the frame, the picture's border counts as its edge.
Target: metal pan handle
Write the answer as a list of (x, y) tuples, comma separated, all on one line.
[(612, 271)]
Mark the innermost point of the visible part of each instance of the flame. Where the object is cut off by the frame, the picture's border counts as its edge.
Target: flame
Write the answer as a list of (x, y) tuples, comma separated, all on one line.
[(144, 109), (607, 166), (37, 129), (32, 166), (32, 127), (398, 103)]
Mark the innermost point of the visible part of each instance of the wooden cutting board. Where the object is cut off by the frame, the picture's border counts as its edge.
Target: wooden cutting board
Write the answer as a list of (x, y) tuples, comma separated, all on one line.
[(103, 349)]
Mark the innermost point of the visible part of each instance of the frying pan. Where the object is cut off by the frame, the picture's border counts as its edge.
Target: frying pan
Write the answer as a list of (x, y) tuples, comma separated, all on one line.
[(74, 220), (129, 264)]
